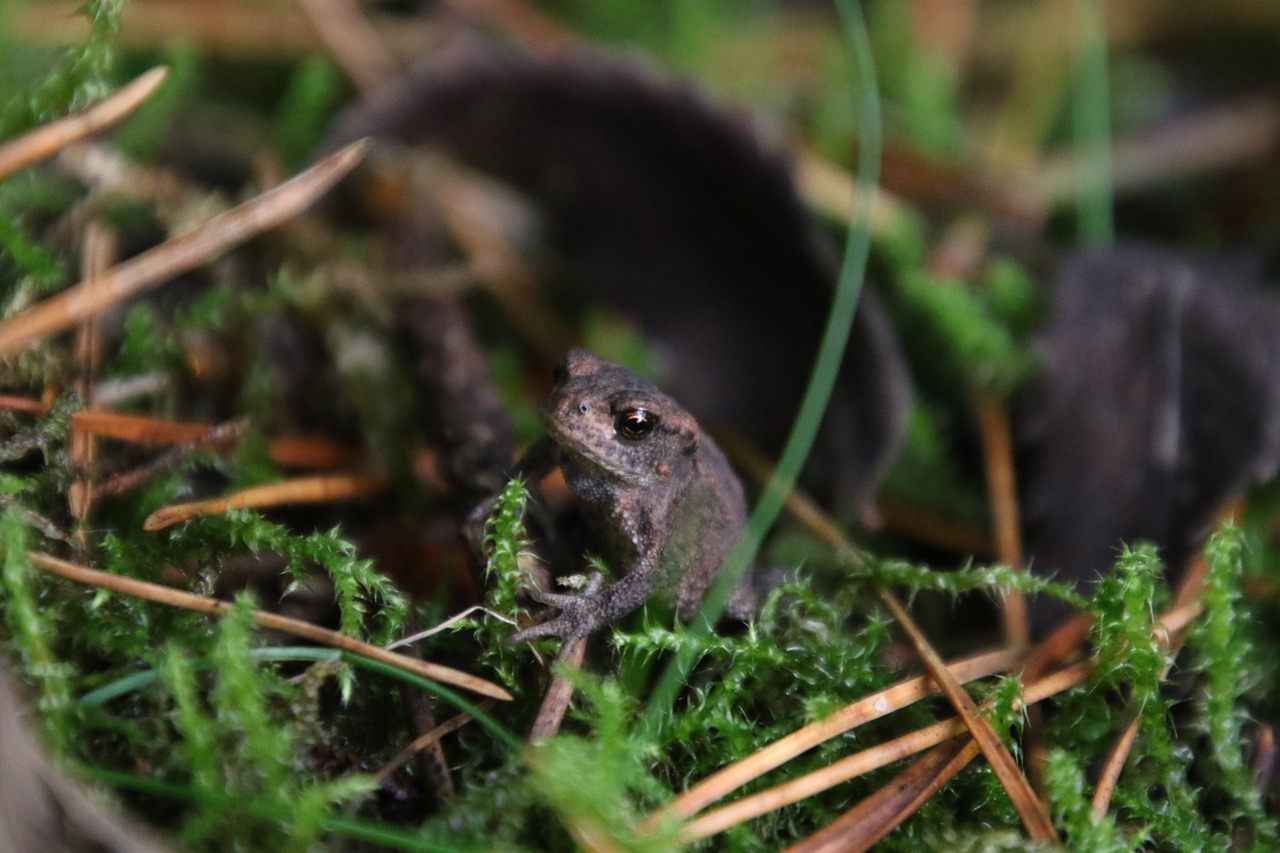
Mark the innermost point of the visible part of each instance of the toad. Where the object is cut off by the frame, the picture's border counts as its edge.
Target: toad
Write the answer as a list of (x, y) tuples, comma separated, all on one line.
[(658, 494)]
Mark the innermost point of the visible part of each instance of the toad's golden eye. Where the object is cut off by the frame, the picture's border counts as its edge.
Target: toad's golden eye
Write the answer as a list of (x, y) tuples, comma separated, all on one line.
[(635, 424)]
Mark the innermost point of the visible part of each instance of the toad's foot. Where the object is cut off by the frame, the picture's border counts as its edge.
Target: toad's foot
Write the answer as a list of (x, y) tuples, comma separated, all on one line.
[(581, 614)]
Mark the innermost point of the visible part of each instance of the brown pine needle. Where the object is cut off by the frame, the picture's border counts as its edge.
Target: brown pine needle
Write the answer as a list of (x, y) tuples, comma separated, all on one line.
[(178, 254), (932, 528), (97, 254), (519, 20), (872, 819), (221, 436), (296, 451), (301, 490), (830, 189), (1002, 496), (718, 820), (352, 41), (47, 140), (1029, 807), (860, 763), (427, 739), (26, 405), (270, 621), (865, 710), (289, 451)]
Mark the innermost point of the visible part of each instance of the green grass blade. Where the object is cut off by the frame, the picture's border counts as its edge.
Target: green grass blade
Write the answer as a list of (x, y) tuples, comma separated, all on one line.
[(821, 380), (1091, 126)]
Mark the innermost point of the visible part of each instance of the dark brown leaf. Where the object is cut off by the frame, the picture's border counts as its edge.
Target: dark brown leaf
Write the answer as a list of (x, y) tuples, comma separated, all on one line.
[(671, 211), (1160, 399)]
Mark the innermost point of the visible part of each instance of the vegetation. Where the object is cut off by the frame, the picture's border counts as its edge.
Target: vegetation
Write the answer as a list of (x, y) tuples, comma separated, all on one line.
[(227, 736)]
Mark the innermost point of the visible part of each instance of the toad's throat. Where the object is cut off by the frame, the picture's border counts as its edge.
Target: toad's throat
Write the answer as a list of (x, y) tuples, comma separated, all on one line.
[(588, 458)]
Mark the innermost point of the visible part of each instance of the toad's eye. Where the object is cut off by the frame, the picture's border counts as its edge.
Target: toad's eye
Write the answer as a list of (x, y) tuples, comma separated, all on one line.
[(635, 424)]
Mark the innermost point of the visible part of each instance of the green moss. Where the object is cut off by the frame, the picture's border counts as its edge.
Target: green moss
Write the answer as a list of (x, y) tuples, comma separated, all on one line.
[(78, 77), (314, 93)]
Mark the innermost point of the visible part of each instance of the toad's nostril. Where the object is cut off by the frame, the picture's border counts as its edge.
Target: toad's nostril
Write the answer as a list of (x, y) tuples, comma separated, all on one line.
[(583, 408)]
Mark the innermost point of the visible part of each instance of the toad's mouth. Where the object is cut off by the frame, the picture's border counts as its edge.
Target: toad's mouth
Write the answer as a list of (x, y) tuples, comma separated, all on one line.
[(589, 457)]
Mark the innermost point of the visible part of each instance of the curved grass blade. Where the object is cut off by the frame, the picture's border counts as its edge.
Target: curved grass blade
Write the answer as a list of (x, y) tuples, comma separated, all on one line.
[(821, 380)]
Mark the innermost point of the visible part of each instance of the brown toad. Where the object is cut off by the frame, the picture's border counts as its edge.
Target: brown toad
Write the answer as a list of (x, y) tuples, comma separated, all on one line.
[(658, 493)]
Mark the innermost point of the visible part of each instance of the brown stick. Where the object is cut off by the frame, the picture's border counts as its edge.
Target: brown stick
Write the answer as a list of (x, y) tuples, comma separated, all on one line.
[(26, 405), (271, 621), (923, 525), (302, 490), (556, 701), (47, 140), (178, 254)]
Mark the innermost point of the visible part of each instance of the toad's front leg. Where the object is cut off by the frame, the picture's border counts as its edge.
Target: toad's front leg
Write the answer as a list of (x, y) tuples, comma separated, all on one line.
[(595, 607)]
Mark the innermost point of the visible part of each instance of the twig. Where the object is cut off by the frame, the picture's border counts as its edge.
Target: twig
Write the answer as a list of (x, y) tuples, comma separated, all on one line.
[(556, 701), (178, 254), (520, 20), (271, 621), (301, 490), (26, 405), (1264, 758), (831, 190), (1172, 640), (229, 29), (932, 528), (47, 140), (1213, 139), (863, 762)]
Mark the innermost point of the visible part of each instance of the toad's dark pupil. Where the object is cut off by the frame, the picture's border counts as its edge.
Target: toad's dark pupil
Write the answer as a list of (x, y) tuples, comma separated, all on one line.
[(635, 424)]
